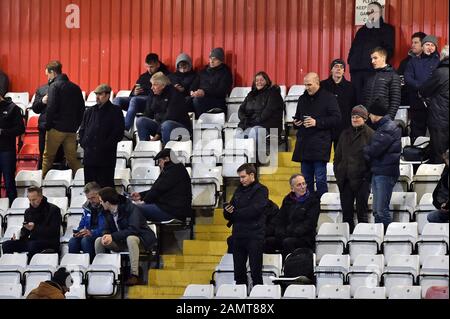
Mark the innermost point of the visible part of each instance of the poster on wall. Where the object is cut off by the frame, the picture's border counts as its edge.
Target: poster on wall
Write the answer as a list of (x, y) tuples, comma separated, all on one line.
[(361, 10)]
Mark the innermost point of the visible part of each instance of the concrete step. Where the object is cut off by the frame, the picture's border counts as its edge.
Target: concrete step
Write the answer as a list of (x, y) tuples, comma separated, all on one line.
[(285, 160), (173, 260), (162, 292), (277, 177), (218, 218), (276, 199), (213, 236), (178, 278), (211, 229), (278, 188), (191, 266), (201, 247)]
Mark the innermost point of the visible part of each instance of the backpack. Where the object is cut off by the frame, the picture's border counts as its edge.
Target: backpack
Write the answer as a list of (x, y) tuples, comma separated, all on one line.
[(299, 263)]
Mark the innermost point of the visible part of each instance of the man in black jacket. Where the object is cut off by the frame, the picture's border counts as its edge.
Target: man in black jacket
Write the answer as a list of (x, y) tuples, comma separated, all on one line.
[(100, 131), (171, 195), (11, 126), (345, 95), (184, 75), (375, 33), (383, 84), (125, 230), (4, 83), (440, 197), (65, 108), (212, 85), (316, 117), (245, 212), (41, 227)]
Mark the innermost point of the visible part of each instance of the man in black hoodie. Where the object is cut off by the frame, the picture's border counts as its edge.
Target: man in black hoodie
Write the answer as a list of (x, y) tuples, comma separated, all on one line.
[(65, 108), (246, 212), (41, 227), (171, 195), (11, 126), (4, 83)]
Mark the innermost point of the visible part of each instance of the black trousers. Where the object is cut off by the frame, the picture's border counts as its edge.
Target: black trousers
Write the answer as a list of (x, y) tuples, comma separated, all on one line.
[(418, 123), (359, 80), (348, 196), (31, 246), (103, 175), (253, 250), (438, 144)]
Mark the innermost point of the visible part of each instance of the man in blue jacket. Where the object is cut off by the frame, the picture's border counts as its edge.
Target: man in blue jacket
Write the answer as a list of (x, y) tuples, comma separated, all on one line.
[(383, 154), (91, 224)]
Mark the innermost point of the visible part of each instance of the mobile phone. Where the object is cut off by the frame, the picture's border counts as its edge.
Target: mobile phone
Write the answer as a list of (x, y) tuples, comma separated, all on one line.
[(225, 204), (305, 117), (75, 231), (295, 118)]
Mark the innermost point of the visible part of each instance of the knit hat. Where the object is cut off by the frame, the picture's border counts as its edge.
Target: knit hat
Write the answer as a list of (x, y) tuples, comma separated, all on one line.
[(378, 107), (62, 277), (430, 38), (337, 61), (361, 111), (183, 57), (217, 53)]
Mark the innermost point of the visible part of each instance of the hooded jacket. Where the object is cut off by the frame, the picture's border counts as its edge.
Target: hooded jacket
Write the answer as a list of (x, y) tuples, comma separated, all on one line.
[(92, 219), (47, 290), (183, 79), (11, 125)]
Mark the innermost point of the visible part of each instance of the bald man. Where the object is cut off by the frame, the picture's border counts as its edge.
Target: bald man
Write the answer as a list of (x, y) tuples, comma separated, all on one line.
[(316, 117)]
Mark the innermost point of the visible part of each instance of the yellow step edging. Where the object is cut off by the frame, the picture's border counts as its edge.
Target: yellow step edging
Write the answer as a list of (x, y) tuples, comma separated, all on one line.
[(178, 278)]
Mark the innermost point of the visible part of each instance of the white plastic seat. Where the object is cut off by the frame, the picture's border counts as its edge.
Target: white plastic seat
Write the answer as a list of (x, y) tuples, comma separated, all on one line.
[(423, 209), (21, 99), (224, 273), (236, 153), (292, 100), (103, 274), (332, 270), (206, 182), (334, 292), (265, 292), (144, 152), (231, 291), (123, 93), (402, 116), (401, 270), (76, 292), (182, 151), (399, 239), (198, 292), (122, 177), (79, 178), (405, 292), (434, 272), (19, 205), (365, 272), (124, 150), (207, 152), (77, 265), (300, 292), (366, 239), (4, 206), (12, 267), (76, 204), (434, 241), (41, 268), (91, 100), (402, 206), (25, 179), (405, 178), (214, 121), (56, 183), (142, 178), (406, 141), (10, 291), (330, 204), (73, 221), (238, 94), (332, 239), (61, 202), (370, 293), (426, 178), (272, 266)]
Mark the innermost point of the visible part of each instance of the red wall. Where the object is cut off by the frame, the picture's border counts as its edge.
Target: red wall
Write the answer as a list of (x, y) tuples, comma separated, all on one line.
[(286, 38)]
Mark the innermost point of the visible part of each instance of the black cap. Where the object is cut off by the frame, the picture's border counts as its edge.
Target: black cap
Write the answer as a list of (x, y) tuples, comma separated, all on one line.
[(337, 61), (164, 153), (378, 107)]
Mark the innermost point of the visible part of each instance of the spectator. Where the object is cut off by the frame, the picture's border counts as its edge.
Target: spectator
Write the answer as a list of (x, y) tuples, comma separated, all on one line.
[(91, 224), (141, 92), (440, 197), (11, 126), (184, 75), (383, 154), (297, 221), (245, 212), (167, 112), (65, 108), (125, 230), (171, 195), (384, 83), (100, 132), (415, 51), (262, 108), (316, 117), (212, 84), (351, 169), (435, 92), (418, 71), (41, 227), (345, 95), (55, 288), (4, 83), (375, 33)]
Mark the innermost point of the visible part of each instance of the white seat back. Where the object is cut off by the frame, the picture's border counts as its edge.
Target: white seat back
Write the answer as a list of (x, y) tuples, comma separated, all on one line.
[(199, 291), (231, 291), (266, 291), (300, 292)]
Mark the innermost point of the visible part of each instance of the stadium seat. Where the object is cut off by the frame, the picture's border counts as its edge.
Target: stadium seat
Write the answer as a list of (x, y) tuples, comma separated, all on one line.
[(331, 179), (25, 179), (56, 183), (123, 93), (402, 206), (12, 267), (334, 292), (401, 270), (366, 271), (224, 272), (434, 241), (76, 292), (182, 151), (236, 153), (91, 100), (142, 178), (41, 268), (332, 239), (10, 291), (330, 204), (300, 292), (21, 99), (122, 178), (370, 293), (404, 181), (207, 153), (366, 239), (423, 209), (194, 291), (332, 270), (400, 239), (231, 291), (434, 272), (426, 178), (272, 266), (102, 275), (144, 152), (206, 182), (77, 265), (124, 151), (265, 292), (405, 292)]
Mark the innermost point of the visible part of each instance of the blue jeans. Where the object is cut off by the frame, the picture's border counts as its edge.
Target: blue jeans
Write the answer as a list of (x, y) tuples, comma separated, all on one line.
[(147, 127), (136, 104), (382, 187), (204, 104), (438, 216), (153, 213), (8, 169), (317, 170), (85, 244)]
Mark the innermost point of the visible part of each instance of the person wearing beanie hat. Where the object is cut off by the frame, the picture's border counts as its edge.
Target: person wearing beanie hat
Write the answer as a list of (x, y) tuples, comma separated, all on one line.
[(383, 153), (55, 288), (212, 85), (184, 75), (345, 95), (417, 73), (351, 170)]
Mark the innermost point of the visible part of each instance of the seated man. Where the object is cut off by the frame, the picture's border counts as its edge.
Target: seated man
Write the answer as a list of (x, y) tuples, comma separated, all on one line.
[(171, 195), (440, 197), (297, 221), (41, 227), (91, 224), (125, 230)]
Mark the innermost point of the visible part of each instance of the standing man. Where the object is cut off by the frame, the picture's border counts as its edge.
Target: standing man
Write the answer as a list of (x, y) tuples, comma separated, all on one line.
[(245, 212), (100, 131), (65, 108), (375, 33), (11, 126), (383, 154), (316, 117), (4, 83), (345, 94), (384, 84)]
